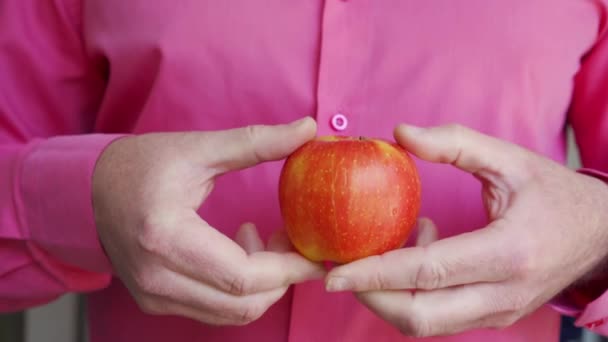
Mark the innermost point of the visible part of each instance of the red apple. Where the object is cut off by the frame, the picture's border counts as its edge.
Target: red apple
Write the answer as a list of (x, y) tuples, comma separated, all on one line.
[(345, 198)]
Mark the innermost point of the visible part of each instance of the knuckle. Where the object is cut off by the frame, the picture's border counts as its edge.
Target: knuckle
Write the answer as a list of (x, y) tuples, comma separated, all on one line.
[(523, 263), (150, 238), (139, 278), (431, 275), (379, 280), (457, 134), (147, 282), (238, 285), (252, 134), (248, 314)]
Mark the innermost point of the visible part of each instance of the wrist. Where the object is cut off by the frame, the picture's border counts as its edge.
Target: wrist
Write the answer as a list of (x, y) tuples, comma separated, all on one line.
[(595, 282)]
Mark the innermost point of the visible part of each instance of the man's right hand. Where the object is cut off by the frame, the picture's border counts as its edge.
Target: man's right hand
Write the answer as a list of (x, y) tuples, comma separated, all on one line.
[(146, 192)]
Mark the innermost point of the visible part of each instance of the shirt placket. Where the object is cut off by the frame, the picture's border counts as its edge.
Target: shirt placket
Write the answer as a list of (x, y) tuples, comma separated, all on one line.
[(345, 38)]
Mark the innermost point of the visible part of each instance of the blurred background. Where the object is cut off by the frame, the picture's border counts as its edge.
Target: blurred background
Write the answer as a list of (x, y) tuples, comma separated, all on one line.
[(64, 320)]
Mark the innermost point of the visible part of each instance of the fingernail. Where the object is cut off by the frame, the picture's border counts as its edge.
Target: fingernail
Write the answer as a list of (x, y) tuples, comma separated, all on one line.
[(337, 284)]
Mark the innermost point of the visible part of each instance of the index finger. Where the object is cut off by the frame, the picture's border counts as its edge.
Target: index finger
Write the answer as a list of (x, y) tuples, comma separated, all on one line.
[(478, 256), (444, 311), (207, 255)]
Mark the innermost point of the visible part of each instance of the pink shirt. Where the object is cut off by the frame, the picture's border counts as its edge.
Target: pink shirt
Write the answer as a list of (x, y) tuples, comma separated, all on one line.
[(74, 73)]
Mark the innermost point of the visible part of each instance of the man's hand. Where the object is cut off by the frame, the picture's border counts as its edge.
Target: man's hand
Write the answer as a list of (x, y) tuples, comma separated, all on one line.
[(548, 227), (146, 192)]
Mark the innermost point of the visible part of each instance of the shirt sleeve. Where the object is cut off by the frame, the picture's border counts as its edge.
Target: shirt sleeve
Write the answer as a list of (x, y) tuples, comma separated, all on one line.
[(49, 93), (589, 119)]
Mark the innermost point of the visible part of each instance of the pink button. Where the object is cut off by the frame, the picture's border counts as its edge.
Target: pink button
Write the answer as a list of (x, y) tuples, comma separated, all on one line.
[(339, 122)]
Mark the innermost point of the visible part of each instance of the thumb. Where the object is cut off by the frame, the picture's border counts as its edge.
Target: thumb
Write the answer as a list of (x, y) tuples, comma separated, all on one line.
[(247, 146), (462, 147)]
